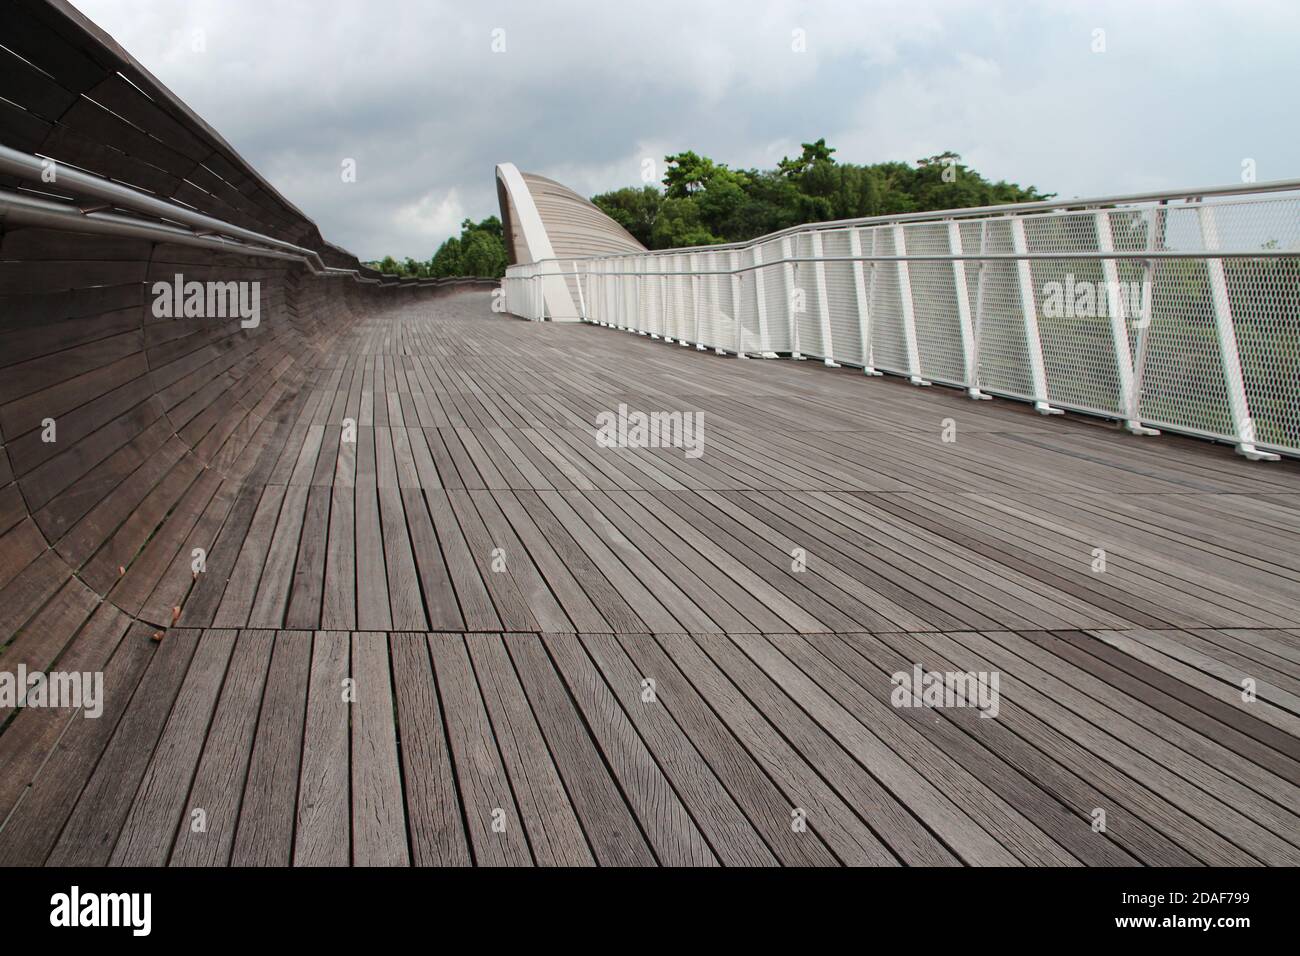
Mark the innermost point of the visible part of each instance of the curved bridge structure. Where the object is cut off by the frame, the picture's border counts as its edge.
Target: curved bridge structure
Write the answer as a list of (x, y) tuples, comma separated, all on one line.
[(546, 223), (644, 603)]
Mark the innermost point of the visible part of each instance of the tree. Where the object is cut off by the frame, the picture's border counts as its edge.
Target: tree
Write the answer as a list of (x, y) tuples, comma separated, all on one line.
[(482, 254), (705, 202), (636, 210), (446, 261), (679, 224), (686, 173), (479, 250), (813, 153)]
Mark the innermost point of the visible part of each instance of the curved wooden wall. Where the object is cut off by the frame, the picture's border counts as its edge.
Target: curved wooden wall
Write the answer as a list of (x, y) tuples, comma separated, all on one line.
[(157, 422)]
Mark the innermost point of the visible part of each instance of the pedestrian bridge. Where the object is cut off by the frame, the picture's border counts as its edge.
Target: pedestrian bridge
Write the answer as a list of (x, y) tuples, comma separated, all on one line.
[(364, 586)]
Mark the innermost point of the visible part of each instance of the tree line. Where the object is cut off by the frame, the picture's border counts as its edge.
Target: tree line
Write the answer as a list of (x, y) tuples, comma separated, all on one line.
[(703, 202), (479, 250)]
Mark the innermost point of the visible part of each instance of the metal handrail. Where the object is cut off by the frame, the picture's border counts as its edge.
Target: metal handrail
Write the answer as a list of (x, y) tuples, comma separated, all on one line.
[(967, 212), (1134, 256), (203, 232)]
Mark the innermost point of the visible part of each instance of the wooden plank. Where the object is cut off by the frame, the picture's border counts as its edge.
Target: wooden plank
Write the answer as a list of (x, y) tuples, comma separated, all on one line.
[(434, 813), (732, 837), (322, 834), (378, 813), (554, 833), (91, 829), (495, 830), (205, 839), (159, 804), (266, 817), (35, 734), (826, 813), (612, 831)]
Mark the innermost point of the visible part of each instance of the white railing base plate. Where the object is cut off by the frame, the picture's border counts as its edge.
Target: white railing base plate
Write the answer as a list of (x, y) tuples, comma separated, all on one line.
[(1251, 453), (1137, 428)]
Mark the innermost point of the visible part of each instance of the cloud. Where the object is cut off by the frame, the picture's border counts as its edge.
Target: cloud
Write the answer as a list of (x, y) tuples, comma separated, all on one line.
[(584, 91)]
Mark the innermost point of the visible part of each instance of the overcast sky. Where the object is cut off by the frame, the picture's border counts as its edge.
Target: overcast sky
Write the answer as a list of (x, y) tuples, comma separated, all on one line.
[(583, 92)]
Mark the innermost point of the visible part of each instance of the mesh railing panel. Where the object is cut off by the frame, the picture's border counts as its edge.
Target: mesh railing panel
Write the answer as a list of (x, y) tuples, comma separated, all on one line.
[(1124, 311)]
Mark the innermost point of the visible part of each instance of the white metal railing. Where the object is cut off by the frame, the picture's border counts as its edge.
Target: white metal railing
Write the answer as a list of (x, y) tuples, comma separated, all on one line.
[(1176, 311)]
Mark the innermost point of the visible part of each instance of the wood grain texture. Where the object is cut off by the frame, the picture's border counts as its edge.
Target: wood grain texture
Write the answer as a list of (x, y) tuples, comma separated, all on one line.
[(423, 483)]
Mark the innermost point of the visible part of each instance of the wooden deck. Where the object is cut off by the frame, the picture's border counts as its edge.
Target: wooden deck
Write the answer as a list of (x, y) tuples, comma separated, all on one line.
[(434, 645)]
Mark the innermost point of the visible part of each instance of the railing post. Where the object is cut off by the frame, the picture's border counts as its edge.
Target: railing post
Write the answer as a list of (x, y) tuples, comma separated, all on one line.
[(609, 287), (1144, 331), (606, 283), (620, 292), (977, 320), (670, 333), (760, 298), (630, 293), (863, 300), (663, 303), (714, 282), (679, 320), (1117, 308), (1029, 309), (736, 290), (619, 289), (1243, 426), (969, 355), (909, 314), (640, 267), (694, 295), (823, 305), (788, 279), (582, 302)]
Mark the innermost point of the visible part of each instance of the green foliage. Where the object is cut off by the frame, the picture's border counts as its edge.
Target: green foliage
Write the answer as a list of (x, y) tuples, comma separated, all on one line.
[(680, 223), (813, 153), (634, 209), (446, 261), (482, 254), (705, 202), (479, 250)]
